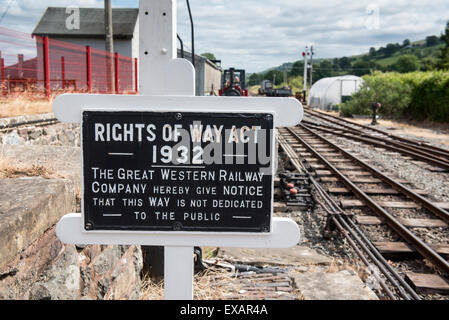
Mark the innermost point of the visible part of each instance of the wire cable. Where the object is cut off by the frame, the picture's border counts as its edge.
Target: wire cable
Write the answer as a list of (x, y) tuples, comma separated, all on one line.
[(192, 31), (6, 11)]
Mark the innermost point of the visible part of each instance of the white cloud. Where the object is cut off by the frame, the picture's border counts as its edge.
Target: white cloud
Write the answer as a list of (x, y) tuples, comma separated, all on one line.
[(256, 34), (259, 34)]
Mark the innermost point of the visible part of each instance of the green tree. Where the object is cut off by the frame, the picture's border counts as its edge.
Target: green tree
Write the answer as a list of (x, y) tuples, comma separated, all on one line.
[(407, 63), (427, 64), (336, 64), (391, 49), (390, 89), (345, 63), (361, 68), (323, 70), (443, 62), (372, 52), (255, 79), (297, 69), (432, 41), (276, 75), (209, 56), (366, 58), (406, 43), (381, 51)]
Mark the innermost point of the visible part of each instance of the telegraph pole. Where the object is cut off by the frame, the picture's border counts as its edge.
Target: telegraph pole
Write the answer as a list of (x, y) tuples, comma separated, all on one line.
[(109, 45), (304, 91), (311, 65)]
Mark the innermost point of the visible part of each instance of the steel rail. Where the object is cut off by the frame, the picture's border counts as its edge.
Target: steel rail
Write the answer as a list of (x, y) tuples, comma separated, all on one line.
[(343, 229), (424, 249), (436, 153), (417, 144), (27, 123), (427, 148), (326, 116), (338, 120), (373, 141), (299, 166), (344, 232), (407, 147), (336, 218), (430, 159), (377, 256), (443, 214), (334, 210)]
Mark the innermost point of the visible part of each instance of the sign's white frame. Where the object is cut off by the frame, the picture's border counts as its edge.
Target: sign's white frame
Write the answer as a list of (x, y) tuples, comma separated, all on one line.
[(68, 108), (167, 84)]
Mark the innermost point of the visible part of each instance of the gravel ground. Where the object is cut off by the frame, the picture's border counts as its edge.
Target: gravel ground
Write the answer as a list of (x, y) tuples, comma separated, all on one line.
[(312, 225), (394, 131), (399, 167)]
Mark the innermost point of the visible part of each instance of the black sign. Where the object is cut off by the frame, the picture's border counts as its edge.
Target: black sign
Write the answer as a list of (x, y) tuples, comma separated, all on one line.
[(153, 171)]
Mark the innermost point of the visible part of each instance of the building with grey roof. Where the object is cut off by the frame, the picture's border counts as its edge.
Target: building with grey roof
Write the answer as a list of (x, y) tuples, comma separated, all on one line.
[(126, 39), (208, 75), (92, 31)]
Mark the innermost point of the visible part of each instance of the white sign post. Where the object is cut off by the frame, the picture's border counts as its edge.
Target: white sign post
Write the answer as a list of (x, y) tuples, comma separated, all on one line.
[(167, 84)]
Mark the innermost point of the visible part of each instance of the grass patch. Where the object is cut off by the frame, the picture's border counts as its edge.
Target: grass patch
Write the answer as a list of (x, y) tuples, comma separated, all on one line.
[(294, 83), (254, 90), (9, 169), (24, 104), (208, 285)]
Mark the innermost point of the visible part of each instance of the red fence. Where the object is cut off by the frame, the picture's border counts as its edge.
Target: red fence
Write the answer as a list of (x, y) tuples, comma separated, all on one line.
[(47, 66)]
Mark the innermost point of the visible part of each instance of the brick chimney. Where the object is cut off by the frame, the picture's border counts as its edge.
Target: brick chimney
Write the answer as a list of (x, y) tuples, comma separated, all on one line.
[(20, 66)]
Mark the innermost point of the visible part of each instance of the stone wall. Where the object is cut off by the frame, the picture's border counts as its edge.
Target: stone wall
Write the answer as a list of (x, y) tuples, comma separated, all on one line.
[(31, 133), (34, 264), (7, 122), (50, 270)]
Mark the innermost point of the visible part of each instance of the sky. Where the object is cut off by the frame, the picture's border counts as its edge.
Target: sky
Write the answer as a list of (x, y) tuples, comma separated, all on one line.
[(259, 34)]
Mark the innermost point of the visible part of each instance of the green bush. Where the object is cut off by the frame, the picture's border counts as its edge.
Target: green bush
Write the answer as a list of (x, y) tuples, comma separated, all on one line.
[(407, 63), (415, 95), (430, 99), (296, 84)]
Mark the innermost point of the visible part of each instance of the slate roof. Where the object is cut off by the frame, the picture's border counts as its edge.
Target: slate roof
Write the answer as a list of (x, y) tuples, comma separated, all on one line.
[(198, 58), (53, 23)]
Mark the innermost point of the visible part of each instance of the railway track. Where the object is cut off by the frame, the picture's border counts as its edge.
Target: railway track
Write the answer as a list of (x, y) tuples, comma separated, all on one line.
[(417, 150), (4, 128), (381, 218)]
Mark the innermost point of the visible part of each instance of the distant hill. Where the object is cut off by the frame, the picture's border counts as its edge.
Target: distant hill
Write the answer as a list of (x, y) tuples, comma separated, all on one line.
[(287, 65), (424, 52), (406, 57), (428, 48)]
